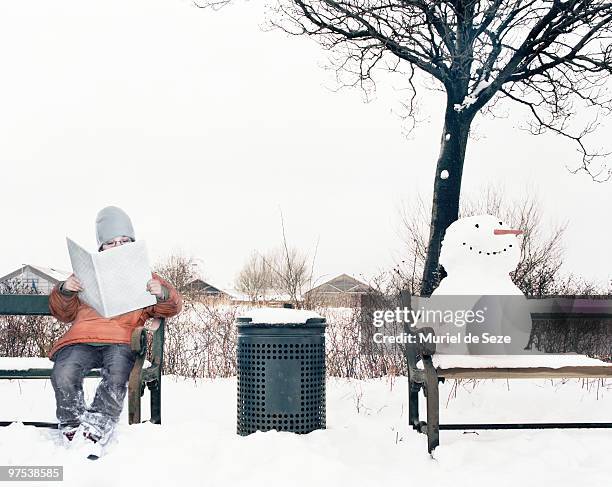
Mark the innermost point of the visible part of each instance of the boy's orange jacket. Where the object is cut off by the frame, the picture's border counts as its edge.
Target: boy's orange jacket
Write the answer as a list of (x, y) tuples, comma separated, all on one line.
[(89, 327)]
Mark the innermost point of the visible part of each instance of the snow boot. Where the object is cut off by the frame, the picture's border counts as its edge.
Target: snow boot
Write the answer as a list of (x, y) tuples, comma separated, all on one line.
[(67, 434), (94, 442), (93, 446)]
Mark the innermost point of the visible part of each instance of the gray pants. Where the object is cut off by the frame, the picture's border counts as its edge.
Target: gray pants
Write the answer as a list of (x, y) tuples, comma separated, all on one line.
[(72, 363)]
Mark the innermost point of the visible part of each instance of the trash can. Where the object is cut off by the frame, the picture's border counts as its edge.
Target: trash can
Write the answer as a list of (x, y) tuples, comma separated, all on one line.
[(281, 371)]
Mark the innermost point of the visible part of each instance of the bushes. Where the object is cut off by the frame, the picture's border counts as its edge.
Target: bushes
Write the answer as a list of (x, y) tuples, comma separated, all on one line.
[(201, 342), (28, 336)]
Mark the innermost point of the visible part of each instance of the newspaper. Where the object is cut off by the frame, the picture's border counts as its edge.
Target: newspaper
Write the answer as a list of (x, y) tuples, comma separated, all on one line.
[(114, 281)]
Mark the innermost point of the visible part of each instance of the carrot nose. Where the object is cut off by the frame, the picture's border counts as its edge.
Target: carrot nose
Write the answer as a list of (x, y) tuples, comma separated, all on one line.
[(499, 231)]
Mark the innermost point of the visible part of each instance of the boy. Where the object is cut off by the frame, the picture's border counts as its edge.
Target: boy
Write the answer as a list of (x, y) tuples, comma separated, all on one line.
[(97, 342)]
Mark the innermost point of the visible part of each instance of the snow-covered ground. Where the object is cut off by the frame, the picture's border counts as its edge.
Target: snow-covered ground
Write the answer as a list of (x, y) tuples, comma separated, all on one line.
[(367, 442)]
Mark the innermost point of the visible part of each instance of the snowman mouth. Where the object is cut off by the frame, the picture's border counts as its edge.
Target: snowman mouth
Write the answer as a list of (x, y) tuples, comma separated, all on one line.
[(490, 252)]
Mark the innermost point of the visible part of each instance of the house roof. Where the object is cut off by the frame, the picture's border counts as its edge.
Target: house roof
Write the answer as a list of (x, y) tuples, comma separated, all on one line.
[(57, 274), (342, 284), (205, 286), (48, 273)]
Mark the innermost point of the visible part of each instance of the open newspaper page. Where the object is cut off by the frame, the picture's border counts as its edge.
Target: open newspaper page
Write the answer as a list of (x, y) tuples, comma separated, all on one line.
[(84, 269), (120, 275), (123, 273)]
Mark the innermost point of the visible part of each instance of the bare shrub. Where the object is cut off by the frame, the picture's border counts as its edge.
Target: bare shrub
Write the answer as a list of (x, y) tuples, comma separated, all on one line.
[(255, 279), (283, 271), (179, 270), (289, 271), (350, 349), (201, 341), (28, 336)]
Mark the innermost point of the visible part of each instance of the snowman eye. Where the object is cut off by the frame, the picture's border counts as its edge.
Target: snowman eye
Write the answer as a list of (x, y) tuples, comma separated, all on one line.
[(500, 223), (477, 226)]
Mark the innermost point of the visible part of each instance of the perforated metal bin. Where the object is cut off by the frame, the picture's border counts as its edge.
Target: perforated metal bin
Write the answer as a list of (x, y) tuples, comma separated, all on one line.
[(281, 376)]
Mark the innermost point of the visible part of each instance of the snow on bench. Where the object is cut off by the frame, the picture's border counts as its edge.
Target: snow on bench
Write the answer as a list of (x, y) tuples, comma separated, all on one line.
[(550, 361), (26, 363)]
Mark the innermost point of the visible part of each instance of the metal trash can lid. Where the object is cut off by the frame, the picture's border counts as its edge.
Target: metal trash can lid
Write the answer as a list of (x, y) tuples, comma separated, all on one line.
[(280, 317)]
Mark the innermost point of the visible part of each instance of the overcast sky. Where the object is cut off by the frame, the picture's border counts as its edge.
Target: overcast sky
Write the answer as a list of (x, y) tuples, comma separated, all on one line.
[(203, 128)]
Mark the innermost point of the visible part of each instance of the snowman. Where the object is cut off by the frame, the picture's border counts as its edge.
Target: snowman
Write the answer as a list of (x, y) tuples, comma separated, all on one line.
[(478, 253)]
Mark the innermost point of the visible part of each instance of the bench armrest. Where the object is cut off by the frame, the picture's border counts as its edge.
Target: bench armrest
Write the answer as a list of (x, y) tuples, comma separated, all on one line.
[(139, 340), (158, 344)]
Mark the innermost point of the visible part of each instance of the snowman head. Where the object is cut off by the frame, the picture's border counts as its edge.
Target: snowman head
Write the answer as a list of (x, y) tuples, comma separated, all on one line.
[(482, 243)]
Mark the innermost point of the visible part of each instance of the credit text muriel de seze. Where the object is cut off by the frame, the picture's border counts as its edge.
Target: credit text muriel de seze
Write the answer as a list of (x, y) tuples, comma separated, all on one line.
[(433, 317)]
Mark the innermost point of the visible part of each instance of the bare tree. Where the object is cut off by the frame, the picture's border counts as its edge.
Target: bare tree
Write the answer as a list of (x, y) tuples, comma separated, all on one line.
[(283, 270), (255, 279), (550, 57), (178, 270), (289, 269), (538, 271)]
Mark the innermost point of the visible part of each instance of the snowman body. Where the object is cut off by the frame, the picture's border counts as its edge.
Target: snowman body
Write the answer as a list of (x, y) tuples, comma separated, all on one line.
[(476, 282), (478, 253)]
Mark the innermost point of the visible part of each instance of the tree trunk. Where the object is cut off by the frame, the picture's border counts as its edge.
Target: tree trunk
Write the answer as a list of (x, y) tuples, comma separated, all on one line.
[(445, 207)]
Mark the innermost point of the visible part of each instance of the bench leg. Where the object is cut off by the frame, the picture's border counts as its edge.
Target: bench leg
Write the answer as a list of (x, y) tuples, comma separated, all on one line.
[(433, 405), (155, 390), (155, 385), (413, 404), (135, 391)]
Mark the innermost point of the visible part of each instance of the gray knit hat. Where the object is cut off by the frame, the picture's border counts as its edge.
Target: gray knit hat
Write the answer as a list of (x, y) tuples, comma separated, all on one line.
[(113, 222)]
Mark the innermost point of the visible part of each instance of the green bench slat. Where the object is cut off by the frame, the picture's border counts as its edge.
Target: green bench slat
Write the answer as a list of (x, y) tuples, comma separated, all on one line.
[(24, 304)]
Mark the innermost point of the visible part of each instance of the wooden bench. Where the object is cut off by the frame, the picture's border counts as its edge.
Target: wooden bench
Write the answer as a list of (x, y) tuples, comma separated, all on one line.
[(40, 368), (427, 369)]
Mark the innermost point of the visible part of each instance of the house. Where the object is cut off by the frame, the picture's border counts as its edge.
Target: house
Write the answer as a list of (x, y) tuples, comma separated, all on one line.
[(342, 290), (198, 287), (202, 289), (31, 279), (269, 298)]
